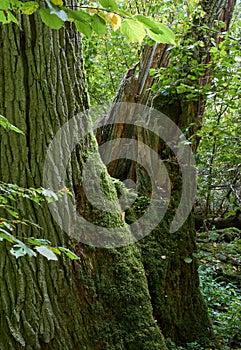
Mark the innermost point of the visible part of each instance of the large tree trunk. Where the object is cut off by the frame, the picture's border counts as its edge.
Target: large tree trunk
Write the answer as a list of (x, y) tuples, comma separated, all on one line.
[(101, 302), (173, 280)]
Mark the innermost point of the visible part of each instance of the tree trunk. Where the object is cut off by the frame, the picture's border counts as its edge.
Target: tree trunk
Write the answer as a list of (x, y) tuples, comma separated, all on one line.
[(101, 302), (173, 279)]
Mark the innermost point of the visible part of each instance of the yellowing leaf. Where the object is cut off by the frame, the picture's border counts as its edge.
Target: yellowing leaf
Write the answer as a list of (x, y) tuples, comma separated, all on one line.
[(92, 10), (28, 8), (114, 20), (55, 250), (57, 2)]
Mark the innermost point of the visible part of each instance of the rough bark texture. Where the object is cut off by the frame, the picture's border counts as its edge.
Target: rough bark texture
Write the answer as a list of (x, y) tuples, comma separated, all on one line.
[(173, 284), (101, 302)]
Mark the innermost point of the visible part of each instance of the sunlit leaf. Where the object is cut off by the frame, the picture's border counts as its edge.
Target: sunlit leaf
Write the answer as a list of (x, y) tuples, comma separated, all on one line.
[(55, 250), (4, 4), (133, 30), (149, 23), (17, 251), (7, 125), (84, 28), (57, 2), (115, 20), (52, 21), (78, 15), (29, 7), (56, 11), (69, 254), (165, 38), (21, 249), (38, 241), (98, 24), (6, 235), (50, 195), (109, 4), (46, 252), (12, 212)]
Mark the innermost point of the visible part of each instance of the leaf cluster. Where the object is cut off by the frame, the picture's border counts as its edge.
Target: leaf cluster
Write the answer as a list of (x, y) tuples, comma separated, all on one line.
[(11, 193), (90, 19)]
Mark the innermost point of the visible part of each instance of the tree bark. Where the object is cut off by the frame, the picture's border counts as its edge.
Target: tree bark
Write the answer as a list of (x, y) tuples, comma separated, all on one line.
[(101, 302), (173, 283)]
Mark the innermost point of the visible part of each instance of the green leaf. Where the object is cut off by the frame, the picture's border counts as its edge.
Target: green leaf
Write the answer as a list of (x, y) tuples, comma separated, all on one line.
[(28, 251), (78, 15), (157, 31), (69, 254), (152, 72), (124, 13), (5, 4), (51, 196), (54, 10), (98, 24), (133, 30), (109, 4), (5, 235), (84, 28), (188, 260), (55, 250), (12, 212), (46, 252), (7, 225), (3, 18), (38, 241), (7, 17), (182, 88), (17, 251), (14, 128), (28, 8), (21, 249), (161, 38), (149, 23), (11, 18), (52, 21)]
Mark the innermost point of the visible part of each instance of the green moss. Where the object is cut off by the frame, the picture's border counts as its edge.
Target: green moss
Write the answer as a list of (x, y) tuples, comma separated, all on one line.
[(122, 288)]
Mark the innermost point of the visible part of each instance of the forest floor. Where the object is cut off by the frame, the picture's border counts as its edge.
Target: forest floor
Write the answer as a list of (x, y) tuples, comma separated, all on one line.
[(219, 256), (220, 275)]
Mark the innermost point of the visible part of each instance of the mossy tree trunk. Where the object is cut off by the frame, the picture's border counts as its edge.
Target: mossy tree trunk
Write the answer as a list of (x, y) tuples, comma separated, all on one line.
[(103, 301), (172, 279)]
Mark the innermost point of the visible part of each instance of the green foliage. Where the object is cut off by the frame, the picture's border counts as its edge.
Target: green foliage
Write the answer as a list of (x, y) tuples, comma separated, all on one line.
[(27, 246), (134, 30), (108, 58), (109, 4), (106, 62), (219, 271), (89, 19), (224, 302), (219, 157), (11, 193), (51, 20), (8, 126)]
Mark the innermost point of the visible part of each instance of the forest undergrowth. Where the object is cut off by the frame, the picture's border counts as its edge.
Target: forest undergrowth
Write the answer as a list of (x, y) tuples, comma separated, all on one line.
[(219, 258)]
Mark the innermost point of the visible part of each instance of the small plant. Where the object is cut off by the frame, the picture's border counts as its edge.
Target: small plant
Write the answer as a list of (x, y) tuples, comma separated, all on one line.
[(224, 303), (10, 193)]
